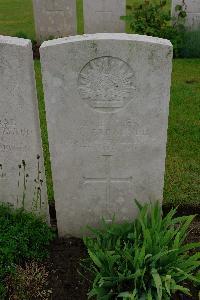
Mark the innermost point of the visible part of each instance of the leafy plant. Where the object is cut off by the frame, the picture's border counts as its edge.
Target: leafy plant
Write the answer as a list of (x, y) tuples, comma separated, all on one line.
[(28, 282), (144, 259), (191, 45), (21, 34), (150, 18), (23, 236)]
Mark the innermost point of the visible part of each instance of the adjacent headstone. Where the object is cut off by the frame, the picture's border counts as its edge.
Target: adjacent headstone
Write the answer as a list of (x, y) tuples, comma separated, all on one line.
[(107, 98), (22, 180), (104, 15), (192, 8), (54, 18)]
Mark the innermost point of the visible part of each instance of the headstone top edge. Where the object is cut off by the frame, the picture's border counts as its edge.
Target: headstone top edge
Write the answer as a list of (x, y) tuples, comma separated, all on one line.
[(107, 36), (14, 41)]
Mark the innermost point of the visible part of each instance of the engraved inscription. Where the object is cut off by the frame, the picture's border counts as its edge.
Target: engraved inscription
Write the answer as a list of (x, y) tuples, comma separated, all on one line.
[(9, 127), (12, 136), (105, 136), (108, 179), (106, 83), (11, 148)]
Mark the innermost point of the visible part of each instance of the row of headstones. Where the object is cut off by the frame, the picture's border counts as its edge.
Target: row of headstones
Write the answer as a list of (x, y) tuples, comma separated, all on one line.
[(57, 18), (107, 98)]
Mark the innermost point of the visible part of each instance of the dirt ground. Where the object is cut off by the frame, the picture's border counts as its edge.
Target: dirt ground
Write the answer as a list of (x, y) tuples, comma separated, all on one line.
[(64, 267)]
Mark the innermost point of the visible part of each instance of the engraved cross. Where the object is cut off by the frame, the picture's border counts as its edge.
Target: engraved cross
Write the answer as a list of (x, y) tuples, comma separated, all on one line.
[(108, 179)]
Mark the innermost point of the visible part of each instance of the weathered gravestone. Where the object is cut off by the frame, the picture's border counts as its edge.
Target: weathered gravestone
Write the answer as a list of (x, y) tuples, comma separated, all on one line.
[(54, 18), (107, 98), (22, 180), (104, 15), (192, 8)]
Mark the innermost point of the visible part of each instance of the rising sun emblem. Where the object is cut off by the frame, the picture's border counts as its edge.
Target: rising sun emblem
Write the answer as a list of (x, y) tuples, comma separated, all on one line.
[(106, 83)]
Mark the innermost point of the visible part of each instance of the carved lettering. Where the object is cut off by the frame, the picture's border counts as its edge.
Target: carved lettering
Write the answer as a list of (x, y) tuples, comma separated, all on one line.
[(9, 127), (121, 132), (10, 148)]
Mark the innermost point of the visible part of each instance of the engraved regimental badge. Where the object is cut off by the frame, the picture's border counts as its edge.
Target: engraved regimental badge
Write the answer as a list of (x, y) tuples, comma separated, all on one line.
[(106, 83)]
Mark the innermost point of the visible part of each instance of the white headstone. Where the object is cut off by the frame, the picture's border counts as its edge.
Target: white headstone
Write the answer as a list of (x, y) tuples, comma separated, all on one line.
[(54, 18), (104, 15), (21, 182), (192, 8), (107, 98)]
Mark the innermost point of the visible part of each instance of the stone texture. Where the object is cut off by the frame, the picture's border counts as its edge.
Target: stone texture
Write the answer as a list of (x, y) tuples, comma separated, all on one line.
[(54, 18), (107, 98), (19, 128), (193, 13), (104, 15)]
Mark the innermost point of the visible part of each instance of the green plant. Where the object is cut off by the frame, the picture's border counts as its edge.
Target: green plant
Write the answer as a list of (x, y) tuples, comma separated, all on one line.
[(23, 236), (37, 202), (153, 19), (191, 45), (21, 34), (144, 259), (28, 282)]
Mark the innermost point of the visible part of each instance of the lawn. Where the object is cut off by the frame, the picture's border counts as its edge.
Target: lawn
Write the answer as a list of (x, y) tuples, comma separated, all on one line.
[(16, 16), (182, 180)]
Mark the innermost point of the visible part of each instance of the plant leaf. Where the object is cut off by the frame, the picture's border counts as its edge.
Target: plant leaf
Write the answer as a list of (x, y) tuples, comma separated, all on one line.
[(158, 283)]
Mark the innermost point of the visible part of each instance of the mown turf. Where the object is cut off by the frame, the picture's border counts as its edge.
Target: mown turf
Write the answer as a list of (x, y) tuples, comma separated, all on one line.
[(16, 16), (182, 180)]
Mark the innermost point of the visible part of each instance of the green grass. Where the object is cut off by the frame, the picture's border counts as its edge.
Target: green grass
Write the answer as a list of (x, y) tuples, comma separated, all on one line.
[(16, 16), (43, 125), (24, 237), (182, 180)]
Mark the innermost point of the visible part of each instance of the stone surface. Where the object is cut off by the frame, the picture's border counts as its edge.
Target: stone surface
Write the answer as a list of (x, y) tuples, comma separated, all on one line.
[(54, 18), (104, 15), (107, 98), (193, 13), (19, 128)]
